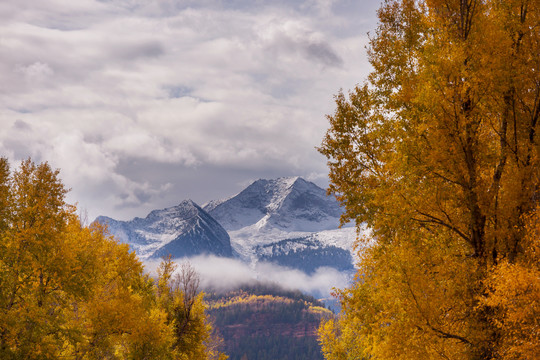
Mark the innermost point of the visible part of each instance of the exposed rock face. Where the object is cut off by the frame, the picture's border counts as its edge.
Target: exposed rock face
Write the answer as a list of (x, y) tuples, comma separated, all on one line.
[(182, 231), (286, 221), (306, 254), (290, 204)]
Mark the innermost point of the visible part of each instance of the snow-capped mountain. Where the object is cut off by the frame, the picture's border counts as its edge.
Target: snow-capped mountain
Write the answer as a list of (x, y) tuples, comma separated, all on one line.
[(307, 253), (288, 221), (184, 230), (288, 204)]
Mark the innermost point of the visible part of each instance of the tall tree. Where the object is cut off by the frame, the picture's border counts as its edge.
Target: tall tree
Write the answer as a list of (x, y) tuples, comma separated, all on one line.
[(438, 154), (182, 300), (69, 291)]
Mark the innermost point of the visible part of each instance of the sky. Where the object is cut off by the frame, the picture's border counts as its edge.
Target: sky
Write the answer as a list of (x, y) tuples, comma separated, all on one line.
[(144, 103)]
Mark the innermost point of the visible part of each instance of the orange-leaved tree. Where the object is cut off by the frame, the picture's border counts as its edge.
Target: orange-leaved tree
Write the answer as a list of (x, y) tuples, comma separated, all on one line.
[(70, 291), (514, 293), (438, 154)]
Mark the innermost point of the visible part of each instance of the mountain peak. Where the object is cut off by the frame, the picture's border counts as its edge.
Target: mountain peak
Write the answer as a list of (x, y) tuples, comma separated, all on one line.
[(287, 203), (281, 220), (182, 230), (188, 204), (284, 182), (186, 208)]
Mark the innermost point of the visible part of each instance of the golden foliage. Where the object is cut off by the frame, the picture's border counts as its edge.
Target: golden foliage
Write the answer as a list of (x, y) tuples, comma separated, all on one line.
[(438, 154), (71, 291), (184, 306), (514, 293), (254, 301)]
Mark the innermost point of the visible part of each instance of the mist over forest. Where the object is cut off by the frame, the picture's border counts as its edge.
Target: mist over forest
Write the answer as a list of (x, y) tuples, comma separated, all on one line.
[(304, 179)]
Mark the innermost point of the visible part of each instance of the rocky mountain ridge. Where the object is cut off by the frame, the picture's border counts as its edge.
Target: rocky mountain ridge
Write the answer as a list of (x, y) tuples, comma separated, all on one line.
[(270, 213), (287, 221), (289, 204), (184, 230)]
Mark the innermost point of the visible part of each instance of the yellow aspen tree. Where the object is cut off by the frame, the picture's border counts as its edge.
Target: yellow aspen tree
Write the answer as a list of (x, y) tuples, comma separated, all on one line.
[(31, 293), (69, 291), (4, 194), (438, 154), (180, 297), (514, 291)]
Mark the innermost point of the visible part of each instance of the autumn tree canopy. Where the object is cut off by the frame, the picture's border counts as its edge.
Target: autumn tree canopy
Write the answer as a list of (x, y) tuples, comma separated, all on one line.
[(437, 152), (69, 291)]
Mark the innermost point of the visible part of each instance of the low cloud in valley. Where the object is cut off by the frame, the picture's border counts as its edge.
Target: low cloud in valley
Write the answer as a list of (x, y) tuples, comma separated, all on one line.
[(224, 274)]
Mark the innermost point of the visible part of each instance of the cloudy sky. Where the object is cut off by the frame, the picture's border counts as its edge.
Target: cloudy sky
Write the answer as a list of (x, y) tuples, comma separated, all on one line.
[(144, 103)]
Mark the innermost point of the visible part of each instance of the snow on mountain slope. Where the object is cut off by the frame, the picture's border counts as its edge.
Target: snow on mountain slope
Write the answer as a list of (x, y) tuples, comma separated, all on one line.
[(289, 204), (331, 248), (285, 221), (251, 244), (182, 230), (279, 215)]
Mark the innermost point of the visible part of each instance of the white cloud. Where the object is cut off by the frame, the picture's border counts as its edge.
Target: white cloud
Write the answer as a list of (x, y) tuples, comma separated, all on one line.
[(226, 274), (37, 71), (182, 83)]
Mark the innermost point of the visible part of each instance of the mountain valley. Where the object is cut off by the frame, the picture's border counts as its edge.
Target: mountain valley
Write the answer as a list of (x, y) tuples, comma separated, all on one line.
[(253, 250)]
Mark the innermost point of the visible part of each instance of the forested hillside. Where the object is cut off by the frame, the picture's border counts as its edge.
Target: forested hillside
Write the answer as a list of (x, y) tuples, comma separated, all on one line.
[(438, 153), (70, 291), (264, 322)]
